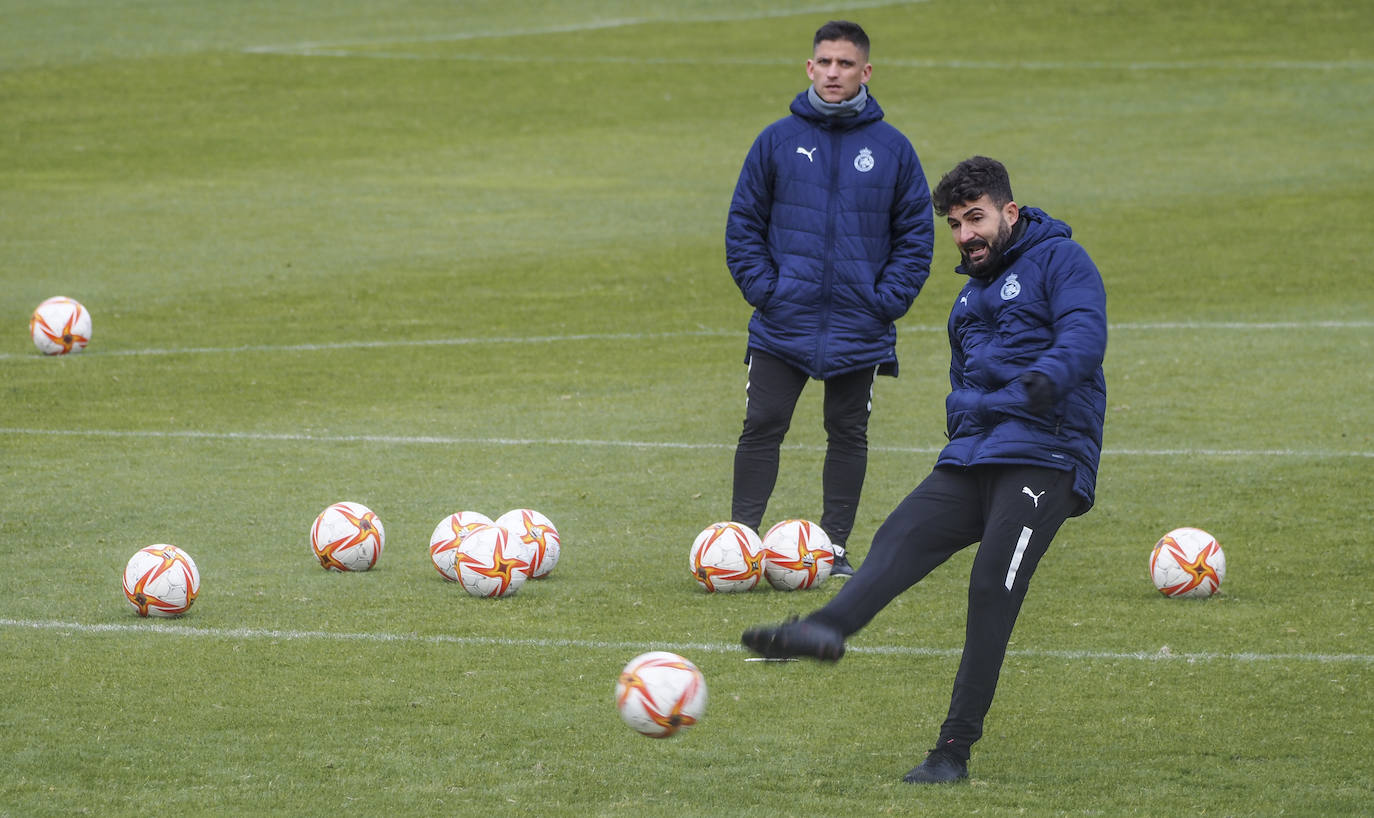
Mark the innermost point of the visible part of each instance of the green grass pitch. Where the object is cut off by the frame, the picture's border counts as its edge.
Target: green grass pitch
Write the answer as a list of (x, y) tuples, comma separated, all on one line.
[(431, 256)]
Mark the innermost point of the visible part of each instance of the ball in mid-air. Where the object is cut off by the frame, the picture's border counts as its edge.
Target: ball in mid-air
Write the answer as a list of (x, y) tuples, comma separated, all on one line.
[(660, 693), (1187, 562)]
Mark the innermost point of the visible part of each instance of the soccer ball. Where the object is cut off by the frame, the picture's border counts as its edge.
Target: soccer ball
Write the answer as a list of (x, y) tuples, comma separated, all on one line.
[(161, 580), (492, 562), (727, 557), (59, 326), (660, 693), (797, 554), (1187, 562), (536, 531), (347, 537), (443, 543)]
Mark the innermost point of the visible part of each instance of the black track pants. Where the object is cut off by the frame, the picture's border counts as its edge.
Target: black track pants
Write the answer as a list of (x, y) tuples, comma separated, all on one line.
[(1013, 512), (772, 392)]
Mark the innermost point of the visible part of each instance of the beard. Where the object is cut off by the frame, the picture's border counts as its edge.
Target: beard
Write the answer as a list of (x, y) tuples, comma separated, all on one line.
[(992, 261)]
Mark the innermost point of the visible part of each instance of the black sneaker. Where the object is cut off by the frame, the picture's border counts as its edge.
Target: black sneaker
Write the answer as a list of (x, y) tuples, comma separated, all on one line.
[(795, 638), (841, 567), (940, 767)]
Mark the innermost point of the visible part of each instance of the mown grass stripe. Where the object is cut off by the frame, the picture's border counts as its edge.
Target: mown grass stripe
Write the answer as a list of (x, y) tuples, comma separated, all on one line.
[(352, 52), (598, 24)]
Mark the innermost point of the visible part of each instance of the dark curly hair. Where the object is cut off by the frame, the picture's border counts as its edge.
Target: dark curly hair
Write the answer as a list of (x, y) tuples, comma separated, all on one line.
[(970, 180)]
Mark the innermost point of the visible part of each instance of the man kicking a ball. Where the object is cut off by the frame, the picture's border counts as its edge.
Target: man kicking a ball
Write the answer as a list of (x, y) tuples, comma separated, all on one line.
[(1027, 335)]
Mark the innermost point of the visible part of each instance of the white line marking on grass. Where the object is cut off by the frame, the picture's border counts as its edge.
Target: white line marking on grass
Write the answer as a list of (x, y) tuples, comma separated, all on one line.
[(640, 444), (424, 342), (1140, 65), (442, 440), (418, 440), (271, 634), (1242, 325), (1261, 326), (1312, 453)]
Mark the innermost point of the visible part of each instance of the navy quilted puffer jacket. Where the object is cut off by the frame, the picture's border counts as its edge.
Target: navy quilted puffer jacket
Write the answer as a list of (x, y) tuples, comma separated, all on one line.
[(1045, 312), (829, 238)]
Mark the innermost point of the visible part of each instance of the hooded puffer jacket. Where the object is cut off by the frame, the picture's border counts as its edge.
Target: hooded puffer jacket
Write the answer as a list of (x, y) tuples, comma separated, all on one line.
[(829, 238), (1045, 312)]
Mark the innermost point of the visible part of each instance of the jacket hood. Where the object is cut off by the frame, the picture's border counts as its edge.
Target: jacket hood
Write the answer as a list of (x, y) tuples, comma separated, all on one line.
[(801, 106), (1040, 226)]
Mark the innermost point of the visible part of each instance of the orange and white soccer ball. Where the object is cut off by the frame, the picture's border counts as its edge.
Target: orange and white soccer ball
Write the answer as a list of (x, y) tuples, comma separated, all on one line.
[(726, 557), (660, 693), (161, 580), (1187, 562), (347, 537), (538, 532), (491, 562), (797, 555), (448, 534), (60, 326)]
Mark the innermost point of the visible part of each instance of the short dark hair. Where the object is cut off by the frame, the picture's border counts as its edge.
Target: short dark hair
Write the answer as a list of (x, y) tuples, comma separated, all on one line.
[(972, 179), (842, 30)]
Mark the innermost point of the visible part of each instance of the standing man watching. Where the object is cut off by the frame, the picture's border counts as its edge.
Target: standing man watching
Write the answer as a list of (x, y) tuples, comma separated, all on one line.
[(1027, 335), (829, 239)]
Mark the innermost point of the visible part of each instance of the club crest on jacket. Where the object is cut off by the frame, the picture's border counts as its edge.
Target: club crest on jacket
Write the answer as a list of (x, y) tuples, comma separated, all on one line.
[(1011, 288)]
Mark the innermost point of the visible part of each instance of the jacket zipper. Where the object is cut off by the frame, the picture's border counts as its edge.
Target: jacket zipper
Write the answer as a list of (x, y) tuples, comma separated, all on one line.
[(828, 268)]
